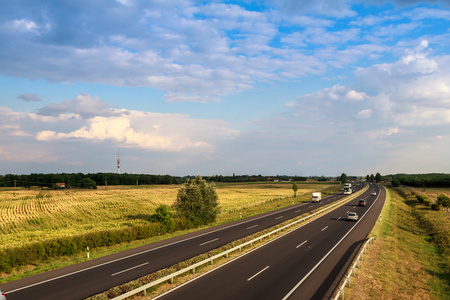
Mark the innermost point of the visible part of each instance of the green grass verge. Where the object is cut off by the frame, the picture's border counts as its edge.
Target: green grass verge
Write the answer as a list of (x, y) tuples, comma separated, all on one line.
[(410, 257)]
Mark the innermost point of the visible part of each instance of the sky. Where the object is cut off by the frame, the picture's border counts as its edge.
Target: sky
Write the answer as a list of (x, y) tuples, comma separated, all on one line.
[(185, 87)]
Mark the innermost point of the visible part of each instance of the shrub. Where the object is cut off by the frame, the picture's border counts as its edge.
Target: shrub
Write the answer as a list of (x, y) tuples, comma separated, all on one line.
[(197, 201), (435, 207)]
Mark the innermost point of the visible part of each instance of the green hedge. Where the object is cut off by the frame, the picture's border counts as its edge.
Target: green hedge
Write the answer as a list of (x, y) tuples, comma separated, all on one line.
[(31, 253)]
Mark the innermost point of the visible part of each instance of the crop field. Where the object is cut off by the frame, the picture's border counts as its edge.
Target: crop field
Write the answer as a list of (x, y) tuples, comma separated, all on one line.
[(31, 215)]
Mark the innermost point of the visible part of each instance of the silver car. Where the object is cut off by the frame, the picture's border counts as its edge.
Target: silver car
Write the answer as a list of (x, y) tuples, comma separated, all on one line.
[(352, 216)]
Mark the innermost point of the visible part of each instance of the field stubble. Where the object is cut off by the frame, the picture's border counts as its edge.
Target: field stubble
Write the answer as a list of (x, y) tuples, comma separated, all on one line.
[(29, 215)]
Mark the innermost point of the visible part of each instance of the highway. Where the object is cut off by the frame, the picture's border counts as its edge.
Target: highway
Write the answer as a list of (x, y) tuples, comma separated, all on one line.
[(94, 276), (306, 263)]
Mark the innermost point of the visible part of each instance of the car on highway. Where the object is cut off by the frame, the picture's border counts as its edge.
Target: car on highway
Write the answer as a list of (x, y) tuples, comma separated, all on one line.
[(374, 193), (362, 202), (352, 216), (2, 295)]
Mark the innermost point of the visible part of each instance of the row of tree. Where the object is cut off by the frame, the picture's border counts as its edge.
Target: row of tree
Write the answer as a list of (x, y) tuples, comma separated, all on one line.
[(91, 180), (420, 180)]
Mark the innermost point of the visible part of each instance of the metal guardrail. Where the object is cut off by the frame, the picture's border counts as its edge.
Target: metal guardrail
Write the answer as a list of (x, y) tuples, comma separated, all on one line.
[(352, 271), (211, 259)]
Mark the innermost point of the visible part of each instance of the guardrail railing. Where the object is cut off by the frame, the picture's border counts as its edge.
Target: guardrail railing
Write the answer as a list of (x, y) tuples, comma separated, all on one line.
[(352, 270), (211, 259)]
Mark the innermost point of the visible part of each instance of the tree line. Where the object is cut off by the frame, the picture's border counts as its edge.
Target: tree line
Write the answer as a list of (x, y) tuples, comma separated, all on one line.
[(420, 180), (92, 180)]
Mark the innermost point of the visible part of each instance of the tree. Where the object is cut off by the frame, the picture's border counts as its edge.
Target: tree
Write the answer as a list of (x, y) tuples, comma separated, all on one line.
[(164, 216), (378, 177), (197, 201), (295, 188), (443, 200), (343, 178), (87, 183), (372, 177), (395, 183)]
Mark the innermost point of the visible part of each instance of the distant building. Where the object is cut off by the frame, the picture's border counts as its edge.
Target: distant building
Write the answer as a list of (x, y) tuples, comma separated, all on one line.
[(60, 185)]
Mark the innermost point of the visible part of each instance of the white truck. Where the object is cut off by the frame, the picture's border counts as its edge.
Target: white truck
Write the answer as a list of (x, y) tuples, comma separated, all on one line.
[(316, 197), (347, 189)]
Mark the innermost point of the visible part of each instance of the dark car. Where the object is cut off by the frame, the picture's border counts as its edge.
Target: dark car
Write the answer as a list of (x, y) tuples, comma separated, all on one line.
[(362, 203)]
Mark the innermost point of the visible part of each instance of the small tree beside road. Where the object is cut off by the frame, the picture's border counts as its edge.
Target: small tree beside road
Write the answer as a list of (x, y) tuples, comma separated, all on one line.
[(197, 201), (295, 188)]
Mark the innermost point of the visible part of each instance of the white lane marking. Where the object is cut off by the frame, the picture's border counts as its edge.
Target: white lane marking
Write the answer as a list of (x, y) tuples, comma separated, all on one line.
[(326, 255), (301, 244), (153, 249), (252, 226), (278, 217), (258, 273), (209, 242), (339, 218), (354, 206), (324, 228), (311, 206), (129, 269), (298, 210)]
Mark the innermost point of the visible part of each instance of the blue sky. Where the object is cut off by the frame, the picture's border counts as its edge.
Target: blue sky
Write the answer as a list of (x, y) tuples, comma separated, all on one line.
[(220, 87)]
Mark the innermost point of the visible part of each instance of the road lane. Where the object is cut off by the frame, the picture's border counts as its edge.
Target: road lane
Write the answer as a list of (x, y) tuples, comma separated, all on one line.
[(88, 278), (289, 261)]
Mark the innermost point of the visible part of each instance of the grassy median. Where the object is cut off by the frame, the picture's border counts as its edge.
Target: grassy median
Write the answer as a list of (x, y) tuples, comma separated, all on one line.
[(410, 258)]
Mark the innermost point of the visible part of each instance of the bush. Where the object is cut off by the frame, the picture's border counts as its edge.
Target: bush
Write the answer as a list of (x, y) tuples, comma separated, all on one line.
[(421, 198), (197, 201), (435, 207)]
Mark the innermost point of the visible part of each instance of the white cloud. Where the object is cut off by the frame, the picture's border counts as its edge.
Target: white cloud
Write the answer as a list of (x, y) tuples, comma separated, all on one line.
[(364, 114), (157, 131)]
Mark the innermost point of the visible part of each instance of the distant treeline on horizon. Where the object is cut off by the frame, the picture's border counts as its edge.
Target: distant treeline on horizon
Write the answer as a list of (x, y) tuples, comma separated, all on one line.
[(91, 180), (421, 180)]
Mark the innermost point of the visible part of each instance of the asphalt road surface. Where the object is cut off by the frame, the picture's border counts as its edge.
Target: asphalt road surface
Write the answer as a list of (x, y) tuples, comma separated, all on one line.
[(306, 263), (97, 275)]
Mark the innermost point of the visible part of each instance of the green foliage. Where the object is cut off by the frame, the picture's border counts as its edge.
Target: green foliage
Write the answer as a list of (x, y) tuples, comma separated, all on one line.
[(28, 254), (372, 178), (395, 183), (427, 180), (421, 198), (87, 183), (443, 200), (435, 207), (343, 178), (295, 188), (378, 177), (197, 201), (164, 216)]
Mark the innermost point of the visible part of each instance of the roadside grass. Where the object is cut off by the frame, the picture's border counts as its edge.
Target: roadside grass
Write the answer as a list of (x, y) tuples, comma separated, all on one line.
[(408, 259), (179, 280), (30, 215)]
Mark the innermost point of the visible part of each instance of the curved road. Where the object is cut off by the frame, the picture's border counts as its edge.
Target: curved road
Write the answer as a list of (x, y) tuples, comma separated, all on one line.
[(306, 263), (94, 276)]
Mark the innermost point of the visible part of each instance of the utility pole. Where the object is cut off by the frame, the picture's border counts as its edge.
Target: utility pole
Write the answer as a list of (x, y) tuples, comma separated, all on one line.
[(118, 161)]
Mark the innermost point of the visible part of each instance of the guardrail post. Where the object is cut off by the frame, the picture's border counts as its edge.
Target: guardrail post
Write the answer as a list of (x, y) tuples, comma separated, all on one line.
[(171, 280), (348, 281), (342, 294), (193, 270)]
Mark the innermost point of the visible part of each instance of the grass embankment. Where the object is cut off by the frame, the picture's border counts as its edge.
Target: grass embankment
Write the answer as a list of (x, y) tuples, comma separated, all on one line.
[(30, 216), (410, 258)]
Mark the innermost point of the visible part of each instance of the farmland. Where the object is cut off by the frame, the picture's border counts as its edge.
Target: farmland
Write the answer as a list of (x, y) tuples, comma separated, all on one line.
[(31, 215)]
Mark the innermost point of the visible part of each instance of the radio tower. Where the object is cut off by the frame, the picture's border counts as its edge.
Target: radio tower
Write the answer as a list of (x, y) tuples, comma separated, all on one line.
[(118, 161)]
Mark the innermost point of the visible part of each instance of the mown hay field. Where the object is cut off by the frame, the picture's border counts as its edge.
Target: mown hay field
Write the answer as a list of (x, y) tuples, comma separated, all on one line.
[(32, 215)]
